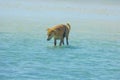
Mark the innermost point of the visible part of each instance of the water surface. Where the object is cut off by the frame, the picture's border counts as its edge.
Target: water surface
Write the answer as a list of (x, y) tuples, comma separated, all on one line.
[(94, 50)]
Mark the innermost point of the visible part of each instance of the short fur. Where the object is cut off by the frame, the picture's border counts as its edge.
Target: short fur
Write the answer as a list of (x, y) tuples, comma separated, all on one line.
[(59, 32)]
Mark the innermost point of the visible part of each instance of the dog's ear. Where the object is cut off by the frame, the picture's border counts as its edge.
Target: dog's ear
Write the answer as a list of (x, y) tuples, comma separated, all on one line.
[(48, 29)]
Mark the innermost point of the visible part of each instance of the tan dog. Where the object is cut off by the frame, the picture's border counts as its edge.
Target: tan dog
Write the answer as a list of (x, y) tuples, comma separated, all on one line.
[(59, 32)]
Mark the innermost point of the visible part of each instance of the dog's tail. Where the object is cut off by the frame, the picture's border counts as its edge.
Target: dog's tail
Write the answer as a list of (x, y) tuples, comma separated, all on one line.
[(68, 25)]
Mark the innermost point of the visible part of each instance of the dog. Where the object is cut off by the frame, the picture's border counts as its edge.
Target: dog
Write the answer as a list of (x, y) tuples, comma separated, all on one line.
[(59, 32)]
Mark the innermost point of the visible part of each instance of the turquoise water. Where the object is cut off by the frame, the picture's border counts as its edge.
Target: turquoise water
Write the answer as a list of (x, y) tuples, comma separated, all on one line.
[(29, 57), (94, 50)]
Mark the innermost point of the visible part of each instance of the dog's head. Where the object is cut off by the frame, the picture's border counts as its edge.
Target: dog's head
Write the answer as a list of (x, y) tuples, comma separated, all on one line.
[(50, 33)]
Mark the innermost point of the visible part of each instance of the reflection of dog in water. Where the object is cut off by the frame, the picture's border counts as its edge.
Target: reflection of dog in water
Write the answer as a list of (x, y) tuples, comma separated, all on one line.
[(59, 32)]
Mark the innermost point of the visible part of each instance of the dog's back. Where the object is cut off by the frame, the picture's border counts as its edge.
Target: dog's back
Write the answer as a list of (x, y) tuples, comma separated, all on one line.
[(62, 29)]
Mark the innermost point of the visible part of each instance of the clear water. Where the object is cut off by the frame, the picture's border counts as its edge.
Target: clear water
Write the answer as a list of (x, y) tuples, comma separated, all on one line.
[(93, 53), (27, 57)]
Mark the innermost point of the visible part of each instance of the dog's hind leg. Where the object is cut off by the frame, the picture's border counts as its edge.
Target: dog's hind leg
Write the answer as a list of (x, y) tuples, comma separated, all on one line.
[(63, 41), (55, 42), (67, 40)]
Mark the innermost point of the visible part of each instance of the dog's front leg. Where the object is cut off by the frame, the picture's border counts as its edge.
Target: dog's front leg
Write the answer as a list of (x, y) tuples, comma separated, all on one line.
[(55, 42)]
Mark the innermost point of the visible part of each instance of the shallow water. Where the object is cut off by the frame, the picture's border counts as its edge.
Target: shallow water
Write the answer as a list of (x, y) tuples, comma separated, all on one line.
[(27, 57), (94, 50)]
